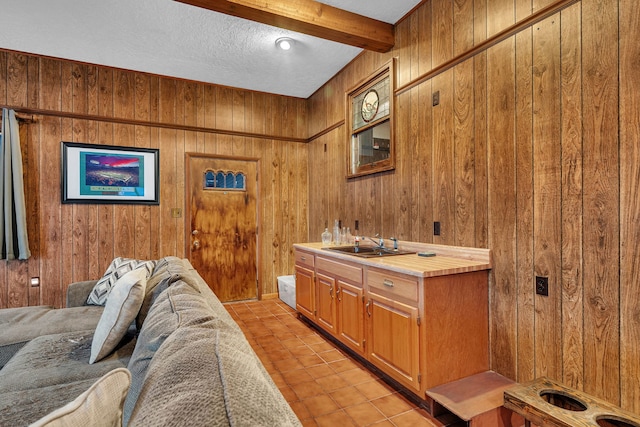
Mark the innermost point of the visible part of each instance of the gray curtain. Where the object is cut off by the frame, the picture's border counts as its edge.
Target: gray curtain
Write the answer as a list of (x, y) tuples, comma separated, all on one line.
[(13, 233)]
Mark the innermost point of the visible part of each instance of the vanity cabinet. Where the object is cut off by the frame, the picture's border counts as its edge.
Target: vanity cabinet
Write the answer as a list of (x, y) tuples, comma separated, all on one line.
[(421, 321)]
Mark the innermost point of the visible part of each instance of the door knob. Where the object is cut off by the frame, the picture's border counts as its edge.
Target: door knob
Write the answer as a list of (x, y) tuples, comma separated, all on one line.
[(195, 232), (196, 244)]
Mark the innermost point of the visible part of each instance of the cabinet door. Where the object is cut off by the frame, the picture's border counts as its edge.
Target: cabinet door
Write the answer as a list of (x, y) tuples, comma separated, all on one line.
[(350, 316), (305, 292), (326, 315), (394, 339)]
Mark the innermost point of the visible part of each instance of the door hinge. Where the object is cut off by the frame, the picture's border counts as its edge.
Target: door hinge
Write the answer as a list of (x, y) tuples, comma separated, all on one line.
[(418, 320), (419, 378)]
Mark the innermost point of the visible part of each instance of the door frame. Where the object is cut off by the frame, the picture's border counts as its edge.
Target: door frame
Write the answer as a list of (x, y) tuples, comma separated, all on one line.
[(187, 210)]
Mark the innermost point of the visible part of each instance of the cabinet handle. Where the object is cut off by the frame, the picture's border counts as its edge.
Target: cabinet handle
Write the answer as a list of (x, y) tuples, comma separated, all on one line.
[(366, 308), (338, 294), (388, 283), (331, 292), (303, 258)]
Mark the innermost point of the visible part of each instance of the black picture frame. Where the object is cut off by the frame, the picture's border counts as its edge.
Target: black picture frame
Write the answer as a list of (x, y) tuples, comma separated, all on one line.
[(109, 174)]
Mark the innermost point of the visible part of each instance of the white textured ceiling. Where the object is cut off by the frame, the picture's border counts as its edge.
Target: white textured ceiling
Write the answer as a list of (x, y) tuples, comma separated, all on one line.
[(168, 38)]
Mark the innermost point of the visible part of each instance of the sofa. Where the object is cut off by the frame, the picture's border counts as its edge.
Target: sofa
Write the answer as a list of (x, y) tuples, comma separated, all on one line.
[(169, 355)]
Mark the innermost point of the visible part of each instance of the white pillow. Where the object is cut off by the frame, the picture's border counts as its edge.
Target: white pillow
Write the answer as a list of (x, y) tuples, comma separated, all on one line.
[(120, 311), (118, 268), (100, 406)]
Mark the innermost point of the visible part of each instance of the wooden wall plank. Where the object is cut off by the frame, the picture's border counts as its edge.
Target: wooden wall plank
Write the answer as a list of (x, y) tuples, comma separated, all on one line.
[(124, 135), (547, 195), (402, 178), (524, 208), (443, 123), (167, 139), (463, 156), (443, 155), (463, 122), (142, 214), (502, 204), (629, 206), (425, 165), (105, 223), (15, 290), (51, 249), (66, 211), (414, 195), (79, 211), (480, 125), (4, 84), (31, 162), (572, 193), (601, 198), (15, 83), (402, 50)]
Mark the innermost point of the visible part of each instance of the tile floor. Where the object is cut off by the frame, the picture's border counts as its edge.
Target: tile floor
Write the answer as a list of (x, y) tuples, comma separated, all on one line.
[(321, 383)]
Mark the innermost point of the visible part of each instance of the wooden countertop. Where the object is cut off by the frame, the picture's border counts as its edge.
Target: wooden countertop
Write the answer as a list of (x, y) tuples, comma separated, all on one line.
[(448, 259)]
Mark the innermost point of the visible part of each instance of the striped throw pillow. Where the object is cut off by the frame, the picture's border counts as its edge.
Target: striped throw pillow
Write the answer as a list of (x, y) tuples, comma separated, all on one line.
[(118, 268)]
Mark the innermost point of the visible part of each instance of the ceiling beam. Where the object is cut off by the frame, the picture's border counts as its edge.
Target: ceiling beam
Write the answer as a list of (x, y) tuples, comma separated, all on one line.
[(309, 17)]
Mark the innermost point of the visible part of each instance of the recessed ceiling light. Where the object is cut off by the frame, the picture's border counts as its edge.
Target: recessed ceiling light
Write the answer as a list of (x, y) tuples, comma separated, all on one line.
[(284, 43)]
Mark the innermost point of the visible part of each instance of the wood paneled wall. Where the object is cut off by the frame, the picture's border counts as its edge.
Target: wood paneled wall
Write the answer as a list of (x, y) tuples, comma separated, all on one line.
[(533, 152), (99, 105)]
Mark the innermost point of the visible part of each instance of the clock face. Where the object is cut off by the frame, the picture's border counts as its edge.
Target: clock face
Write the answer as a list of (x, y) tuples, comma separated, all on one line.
[(369, 105)]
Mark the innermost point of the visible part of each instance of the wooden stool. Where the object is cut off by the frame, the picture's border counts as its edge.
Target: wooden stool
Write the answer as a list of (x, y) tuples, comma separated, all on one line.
[(547, 403), (476, 400)]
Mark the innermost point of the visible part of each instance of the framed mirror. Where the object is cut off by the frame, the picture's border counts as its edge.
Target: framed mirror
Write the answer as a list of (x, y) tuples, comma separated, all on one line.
[(370, 110)]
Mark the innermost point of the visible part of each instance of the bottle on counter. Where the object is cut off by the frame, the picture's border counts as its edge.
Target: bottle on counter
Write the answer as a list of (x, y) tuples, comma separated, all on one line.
[(336, 232), (356, 237), (326, 237)]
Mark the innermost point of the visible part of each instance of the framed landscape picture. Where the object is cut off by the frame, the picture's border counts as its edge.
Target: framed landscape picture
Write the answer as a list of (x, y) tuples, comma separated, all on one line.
[(109, 174)]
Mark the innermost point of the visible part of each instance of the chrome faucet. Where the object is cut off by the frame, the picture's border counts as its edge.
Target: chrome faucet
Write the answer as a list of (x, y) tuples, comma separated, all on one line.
[(395, 243), (380, 243)]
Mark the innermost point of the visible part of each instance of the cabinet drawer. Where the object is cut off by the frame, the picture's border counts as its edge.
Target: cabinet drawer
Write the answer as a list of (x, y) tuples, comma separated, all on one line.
[(305, 258), (340, 269), (386, 283)]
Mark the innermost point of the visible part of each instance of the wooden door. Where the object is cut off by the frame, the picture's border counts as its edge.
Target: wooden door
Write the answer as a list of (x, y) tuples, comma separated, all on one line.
[(222, 224), (326, 305), (305, 291), (350, 316), (393, 343)]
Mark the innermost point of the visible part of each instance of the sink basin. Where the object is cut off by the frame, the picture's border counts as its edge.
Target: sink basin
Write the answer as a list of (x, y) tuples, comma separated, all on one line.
[(367, 251)]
